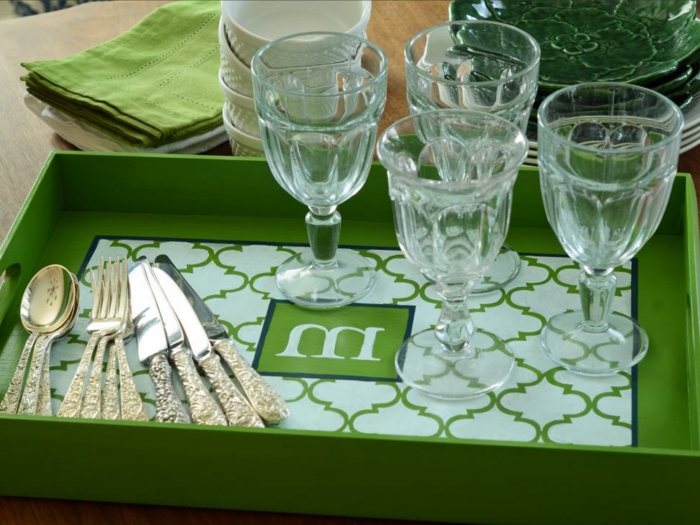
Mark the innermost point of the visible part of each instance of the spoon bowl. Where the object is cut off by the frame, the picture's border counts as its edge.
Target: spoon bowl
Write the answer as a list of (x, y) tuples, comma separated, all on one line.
[(44, 400), (48, 299)]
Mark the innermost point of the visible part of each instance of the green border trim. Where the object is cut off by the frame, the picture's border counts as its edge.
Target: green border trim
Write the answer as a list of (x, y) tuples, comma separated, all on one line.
[(99, 238)]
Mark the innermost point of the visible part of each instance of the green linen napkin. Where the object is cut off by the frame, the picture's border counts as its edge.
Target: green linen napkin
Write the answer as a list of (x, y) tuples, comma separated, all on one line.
[(153, 85)]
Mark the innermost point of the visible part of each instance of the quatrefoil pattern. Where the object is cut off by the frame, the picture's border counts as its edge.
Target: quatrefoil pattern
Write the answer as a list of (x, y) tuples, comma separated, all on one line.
[(540, 403)]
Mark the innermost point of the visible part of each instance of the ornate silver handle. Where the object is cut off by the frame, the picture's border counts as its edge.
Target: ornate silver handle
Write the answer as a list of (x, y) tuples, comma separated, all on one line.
[(203, 407), (10, 401), (92, 401), (43, 406), (238, 412), (169, 409), (110, 396), (73, 399), (266, 402), (30, 394), (130, 400)]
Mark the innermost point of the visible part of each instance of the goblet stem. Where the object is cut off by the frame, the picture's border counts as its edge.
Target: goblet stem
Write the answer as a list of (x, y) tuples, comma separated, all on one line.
[(597, 290), (455, 328), (323, 230)]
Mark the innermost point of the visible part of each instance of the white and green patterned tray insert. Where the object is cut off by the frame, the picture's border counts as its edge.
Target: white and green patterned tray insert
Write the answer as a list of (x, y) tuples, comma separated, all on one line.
[(336, 368)]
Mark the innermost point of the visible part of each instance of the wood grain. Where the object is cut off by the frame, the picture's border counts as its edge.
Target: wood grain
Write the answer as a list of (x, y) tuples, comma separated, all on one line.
[(20, 511), (25, 143)]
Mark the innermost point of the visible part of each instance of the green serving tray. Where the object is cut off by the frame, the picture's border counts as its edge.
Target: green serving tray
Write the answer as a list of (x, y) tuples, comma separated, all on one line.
[(81, 195)]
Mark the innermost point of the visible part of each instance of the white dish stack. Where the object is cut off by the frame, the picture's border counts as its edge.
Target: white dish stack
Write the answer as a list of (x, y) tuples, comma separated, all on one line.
[(246, 26)]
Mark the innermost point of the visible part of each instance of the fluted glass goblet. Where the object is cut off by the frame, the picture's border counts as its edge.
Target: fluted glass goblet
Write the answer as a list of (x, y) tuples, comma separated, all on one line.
[(319, 98), (608, 154), (451, 176), (482, 66)]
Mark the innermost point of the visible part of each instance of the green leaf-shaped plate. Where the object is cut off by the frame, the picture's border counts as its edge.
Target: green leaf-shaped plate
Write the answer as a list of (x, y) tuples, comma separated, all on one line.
[(647, 43)]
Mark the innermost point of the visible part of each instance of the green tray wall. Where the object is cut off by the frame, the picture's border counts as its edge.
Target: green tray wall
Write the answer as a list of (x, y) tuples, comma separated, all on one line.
[(81, 195)]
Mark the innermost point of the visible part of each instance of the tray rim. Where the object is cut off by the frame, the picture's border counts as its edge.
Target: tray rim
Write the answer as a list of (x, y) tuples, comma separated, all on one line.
[(25, 433), (692, 242)]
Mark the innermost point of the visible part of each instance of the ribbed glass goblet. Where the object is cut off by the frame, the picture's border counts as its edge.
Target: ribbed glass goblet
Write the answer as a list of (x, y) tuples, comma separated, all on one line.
[(608, 154), (451, 176), (319, 98), (481, 66)]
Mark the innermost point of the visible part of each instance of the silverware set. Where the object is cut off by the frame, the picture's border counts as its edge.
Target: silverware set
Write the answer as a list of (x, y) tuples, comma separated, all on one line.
[(172, 326)]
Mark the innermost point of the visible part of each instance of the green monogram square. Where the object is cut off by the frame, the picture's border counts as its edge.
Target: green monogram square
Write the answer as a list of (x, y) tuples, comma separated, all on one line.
[(355, 342)]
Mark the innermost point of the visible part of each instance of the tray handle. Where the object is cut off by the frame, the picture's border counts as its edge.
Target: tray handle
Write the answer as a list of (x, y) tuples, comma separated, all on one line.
[(9, 282)]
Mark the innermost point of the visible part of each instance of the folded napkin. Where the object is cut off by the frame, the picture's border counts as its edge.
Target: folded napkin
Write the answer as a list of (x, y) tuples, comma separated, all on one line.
[(153, 85), (85, 137)]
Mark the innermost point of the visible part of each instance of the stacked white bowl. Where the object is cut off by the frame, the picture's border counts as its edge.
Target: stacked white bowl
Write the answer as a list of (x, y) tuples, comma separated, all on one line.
[(246, 26)]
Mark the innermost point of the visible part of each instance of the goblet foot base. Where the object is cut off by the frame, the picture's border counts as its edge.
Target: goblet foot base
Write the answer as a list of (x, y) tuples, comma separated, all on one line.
[(621, 346), (504, 269), (423, 364), (349, 278)]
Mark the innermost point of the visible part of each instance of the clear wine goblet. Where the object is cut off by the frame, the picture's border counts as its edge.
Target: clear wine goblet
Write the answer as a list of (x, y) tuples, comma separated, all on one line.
[(482, 66), (608, 154), (319, 98), (451, 176)]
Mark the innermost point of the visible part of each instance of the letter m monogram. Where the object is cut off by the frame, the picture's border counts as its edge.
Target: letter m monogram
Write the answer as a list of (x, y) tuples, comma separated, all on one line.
[(330, 341)]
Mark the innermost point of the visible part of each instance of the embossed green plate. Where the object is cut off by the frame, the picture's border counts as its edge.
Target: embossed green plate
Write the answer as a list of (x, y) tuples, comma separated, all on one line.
[(640, 42)]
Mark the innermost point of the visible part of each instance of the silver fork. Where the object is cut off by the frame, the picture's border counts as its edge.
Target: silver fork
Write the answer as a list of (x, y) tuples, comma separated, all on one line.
[(127, 399), (103, 321)]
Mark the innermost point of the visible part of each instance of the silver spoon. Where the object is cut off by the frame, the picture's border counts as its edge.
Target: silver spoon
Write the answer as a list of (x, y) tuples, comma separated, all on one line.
[(56, 295), (44, 402), (46, 306)]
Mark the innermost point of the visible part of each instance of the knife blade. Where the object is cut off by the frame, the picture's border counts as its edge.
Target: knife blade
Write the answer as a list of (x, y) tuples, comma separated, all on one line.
[(238, 411), (265, 400), (206, 317), (204, 408), (153, 346)]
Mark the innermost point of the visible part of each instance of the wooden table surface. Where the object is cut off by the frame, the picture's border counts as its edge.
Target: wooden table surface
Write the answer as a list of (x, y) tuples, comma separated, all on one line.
[(25, 142)]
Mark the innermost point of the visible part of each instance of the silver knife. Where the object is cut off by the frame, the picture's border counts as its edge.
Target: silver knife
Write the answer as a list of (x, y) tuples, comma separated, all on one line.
[(153, 346), (266, 402), (203, 407), (238, 411)]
